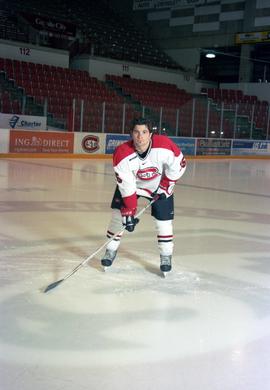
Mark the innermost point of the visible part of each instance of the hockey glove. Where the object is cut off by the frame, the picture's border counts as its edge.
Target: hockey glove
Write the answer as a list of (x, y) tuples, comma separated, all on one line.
[(165, 188), (128, 219)]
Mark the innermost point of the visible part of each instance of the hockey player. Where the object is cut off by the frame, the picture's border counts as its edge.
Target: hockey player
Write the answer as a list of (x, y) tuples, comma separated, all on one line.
[(147, 165)]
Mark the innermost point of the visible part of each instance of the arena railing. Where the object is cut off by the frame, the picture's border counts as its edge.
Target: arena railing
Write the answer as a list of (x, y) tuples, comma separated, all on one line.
[(194, 118)]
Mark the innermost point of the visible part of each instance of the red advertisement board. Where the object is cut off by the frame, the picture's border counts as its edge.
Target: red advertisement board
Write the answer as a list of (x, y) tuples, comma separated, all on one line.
[(40, 142)]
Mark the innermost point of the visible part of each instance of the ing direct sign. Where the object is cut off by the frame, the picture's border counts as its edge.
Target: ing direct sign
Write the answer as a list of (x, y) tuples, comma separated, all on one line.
[(40, 142)]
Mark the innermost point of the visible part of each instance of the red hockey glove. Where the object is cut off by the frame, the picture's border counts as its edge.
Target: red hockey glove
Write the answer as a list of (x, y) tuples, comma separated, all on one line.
[(128, 218), (166, 187)]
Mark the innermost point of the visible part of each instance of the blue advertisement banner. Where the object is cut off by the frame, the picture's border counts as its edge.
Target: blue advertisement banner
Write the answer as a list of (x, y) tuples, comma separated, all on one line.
[(113, 140), (246, 148), (213, 147), (187, 145)]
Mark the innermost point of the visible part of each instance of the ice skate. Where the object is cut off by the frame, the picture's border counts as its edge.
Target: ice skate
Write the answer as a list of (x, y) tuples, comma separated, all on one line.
[(165, 264), (108, 258)]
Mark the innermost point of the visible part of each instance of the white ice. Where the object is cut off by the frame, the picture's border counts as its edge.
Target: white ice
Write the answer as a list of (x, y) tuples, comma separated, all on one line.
[(206, 326)]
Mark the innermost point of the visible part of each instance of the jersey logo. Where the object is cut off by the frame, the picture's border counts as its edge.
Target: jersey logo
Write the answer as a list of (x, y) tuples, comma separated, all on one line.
[(149, 173)]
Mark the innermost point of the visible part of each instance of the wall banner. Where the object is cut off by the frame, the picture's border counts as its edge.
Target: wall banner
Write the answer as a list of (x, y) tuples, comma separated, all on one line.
[(89, 143), (26, 122), (113, 140), (160, 4), (252, 37), (142, 4), (254, 148), (50, 24), (187, 145), (213, 147), (40, 142)]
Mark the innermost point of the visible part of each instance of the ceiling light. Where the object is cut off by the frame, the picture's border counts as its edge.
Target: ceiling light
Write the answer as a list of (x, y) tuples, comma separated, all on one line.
[(210, 55)]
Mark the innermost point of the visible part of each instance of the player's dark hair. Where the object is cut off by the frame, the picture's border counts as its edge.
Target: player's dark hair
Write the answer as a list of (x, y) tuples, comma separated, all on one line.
[(142, 121)]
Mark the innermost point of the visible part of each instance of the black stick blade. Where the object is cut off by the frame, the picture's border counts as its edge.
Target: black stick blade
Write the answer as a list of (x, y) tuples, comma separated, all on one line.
[(53, 285)]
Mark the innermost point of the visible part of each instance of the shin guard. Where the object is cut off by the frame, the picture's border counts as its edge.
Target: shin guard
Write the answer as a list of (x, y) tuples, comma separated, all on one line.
[(165, 237), (115, 226)]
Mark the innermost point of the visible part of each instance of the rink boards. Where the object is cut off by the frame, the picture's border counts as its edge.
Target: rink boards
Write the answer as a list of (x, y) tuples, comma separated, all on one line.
[(25, 143)]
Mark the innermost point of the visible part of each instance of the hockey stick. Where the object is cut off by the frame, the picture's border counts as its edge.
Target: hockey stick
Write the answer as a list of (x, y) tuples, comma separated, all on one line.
[(55, 284)]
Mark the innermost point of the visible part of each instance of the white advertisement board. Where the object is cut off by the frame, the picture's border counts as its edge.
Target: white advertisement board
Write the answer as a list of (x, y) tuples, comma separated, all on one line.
[(23, 122), (89, 143), (4, 140)]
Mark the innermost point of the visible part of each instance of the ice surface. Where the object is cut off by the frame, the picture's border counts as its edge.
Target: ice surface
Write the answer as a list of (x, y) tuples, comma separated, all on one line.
[(206, 325)]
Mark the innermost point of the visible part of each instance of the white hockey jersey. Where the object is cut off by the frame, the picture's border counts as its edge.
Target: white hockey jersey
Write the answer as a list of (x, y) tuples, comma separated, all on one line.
[(141, 176)]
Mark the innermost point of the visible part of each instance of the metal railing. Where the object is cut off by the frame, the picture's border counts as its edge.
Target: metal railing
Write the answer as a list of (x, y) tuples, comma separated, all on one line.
[(196, 118)]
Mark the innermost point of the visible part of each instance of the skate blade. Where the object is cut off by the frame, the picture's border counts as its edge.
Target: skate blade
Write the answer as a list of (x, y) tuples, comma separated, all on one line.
[(164, 274)]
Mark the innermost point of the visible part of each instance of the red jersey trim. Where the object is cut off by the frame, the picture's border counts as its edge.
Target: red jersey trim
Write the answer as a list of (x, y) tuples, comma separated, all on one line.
[(162, 141), (122, 151)]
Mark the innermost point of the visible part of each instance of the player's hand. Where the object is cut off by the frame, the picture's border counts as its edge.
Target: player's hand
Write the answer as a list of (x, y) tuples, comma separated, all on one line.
[(130, 222), (128, 219)]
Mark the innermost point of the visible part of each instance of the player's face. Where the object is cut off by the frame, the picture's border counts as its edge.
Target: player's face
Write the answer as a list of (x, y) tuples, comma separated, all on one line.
[(141, 138)]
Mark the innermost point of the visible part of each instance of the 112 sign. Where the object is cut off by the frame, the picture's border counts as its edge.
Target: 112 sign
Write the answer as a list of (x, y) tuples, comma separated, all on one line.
[(25, 51)]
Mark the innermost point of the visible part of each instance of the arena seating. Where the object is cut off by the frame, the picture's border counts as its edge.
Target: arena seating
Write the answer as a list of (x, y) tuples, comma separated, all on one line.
[(190, 114), (248, 106), (9, 28), (101, 31), (154, 95), (59, 87)]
